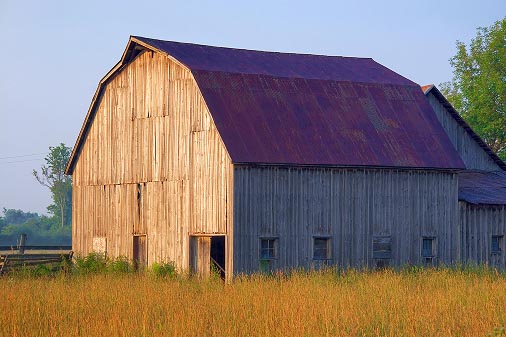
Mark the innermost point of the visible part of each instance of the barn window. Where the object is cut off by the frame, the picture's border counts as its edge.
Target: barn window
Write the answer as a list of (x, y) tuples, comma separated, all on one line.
[(428, 247), (496, 244), (268, 248), (382, 247), (321, 248)]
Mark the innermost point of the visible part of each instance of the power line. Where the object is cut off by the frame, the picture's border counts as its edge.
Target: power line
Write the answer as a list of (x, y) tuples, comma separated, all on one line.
[(20, 161), (24, 155)]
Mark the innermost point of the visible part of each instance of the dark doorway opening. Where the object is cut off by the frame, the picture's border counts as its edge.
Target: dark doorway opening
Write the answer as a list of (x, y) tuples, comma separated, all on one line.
[(218, 255)]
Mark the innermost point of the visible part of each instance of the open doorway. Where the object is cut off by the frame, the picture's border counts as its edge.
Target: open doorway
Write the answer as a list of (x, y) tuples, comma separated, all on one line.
[(218, 255), (207, 254)]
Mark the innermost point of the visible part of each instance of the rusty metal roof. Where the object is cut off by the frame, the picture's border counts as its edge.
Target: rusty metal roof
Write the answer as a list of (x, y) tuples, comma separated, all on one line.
[(301, 121), (488, 188), (295, 109), (290, 65)]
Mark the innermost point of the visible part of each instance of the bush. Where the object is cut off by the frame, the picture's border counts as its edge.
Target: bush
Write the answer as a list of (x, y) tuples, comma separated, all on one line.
[(163, 270), (41, 270), (119, 265), (91, 264), (98, 263)]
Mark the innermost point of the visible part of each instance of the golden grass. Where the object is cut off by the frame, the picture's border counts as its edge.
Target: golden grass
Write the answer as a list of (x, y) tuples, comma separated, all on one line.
[(425, 303)]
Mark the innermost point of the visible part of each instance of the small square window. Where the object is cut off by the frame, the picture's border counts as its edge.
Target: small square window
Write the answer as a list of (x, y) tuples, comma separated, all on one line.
[(496, 244), (321, 248), (382, 247), (268, 248), (428, 247)]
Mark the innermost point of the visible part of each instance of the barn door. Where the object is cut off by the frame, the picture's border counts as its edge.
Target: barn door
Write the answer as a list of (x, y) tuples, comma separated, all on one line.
[(200, 256), (140, 251)]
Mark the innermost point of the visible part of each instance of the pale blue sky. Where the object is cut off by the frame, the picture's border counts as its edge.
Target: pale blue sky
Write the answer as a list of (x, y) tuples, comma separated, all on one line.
[(53, 53)]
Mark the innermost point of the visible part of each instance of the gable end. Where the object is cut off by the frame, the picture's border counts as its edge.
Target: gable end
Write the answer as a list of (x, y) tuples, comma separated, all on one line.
[(431, 89)]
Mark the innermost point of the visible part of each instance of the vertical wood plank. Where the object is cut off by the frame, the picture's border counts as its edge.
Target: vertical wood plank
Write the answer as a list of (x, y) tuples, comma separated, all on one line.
[(142, 136)]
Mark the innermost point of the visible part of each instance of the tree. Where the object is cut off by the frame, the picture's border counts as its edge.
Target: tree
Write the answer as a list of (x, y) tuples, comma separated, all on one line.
[(478, 87), (53, 177), (16, 216), (40, 229)]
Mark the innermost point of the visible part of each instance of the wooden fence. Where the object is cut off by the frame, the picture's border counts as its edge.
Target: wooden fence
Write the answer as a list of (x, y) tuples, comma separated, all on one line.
[(21, 255)]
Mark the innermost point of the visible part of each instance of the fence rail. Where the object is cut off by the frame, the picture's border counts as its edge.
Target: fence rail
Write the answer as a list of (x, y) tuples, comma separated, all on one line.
[(23, 256), (17, 248), (12, 262)]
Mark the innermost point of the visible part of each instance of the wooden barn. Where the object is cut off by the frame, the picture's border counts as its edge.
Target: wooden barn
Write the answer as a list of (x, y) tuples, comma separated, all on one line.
[(482, 188), (259, 161)]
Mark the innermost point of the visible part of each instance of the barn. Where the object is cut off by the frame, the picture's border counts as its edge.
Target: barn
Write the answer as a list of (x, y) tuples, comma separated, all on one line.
[(254, 160), (482, 188)]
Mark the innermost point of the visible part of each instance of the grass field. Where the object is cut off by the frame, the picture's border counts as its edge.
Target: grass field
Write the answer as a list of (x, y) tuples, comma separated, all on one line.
[(387, 303)]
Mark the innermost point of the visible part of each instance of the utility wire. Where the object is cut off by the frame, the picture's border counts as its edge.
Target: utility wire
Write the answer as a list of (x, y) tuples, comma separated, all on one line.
[(20, 161), (24, 155)]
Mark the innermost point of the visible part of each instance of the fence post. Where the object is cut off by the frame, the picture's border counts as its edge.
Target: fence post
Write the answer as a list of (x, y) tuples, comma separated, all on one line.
[(22, 242)]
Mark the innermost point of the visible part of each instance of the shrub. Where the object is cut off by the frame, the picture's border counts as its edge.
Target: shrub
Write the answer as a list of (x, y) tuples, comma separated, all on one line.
[(98, 263), (91, 264), (119, 265), (41, 270), (163, 270)]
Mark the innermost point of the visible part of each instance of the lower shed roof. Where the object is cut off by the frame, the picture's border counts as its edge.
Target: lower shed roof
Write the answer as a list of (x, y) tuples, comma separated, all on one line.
[(487, 188)]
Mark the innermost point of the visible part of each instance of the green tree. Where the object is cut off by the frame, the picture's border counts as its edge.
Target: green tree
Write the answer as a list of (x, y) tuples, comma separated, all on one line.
[(40, 229), (16, 216), (53, 177), (478, 87)]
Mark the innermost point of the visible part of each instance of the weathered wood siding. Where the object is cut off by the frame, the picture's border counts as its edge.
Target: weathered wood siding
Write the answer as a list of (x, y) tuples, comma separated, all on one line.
[(478, 224), (348, 205), (471, 153), (152, 163)]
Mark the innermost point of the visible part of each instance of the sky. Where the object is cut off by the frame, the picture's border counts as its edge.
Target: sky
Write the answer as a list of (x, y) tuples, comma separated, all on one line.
[(54, 53)]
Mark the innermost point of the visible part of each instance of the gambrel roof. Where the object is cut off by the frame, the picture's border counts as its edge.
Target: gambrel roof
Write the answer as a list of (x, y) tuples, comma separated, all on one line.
[(293, 109)]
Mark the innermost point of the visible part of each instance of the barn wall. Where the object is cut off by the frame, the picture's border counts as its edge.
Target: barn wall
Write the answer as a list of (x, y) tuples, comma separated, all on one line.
[(478, 224), (152, 163), (471, 153), (348, 205)]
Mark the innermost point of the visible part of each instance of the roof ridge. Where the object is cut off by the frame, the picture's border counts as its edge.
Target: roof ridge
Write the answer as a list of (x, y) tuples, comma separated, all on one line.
[(252, 50)]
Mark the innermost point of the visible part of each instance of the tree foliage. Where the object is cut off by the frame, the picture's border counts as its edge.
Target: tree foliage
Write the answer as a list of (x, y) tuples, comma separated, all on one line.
[(40, 229), (53, 176), (478, 87), (54, 229), (16, 216)]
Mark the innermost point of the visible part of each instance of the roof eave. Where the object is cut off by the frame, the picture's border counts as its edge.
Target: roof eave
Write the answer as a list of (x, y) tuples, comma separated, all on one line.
[(84, 128), (338, 166)]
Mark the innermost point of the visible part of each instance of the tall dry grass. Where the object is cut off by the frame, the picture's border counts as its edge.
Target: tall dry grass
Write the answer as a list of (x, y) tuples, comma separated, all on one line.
[(422, 303)]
